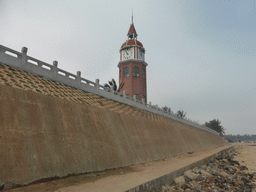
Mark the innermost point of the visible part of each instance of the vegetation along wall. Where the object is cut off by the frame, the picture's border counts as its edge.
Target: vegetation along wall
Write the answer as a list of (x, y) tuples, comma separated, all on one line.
[(47, 130)]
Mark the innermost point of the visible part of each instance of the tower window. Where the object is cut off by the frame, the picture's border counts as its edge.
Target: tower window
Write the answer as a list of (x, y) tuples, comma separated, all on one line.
[(135, 71), (126, 71), (143, 73)]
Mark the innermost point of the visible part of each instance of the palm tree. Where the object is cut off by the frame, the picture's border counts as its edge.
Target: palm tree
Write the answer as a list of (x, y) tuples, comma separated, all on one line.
[(112, 85), (181, 114), (215, 125)]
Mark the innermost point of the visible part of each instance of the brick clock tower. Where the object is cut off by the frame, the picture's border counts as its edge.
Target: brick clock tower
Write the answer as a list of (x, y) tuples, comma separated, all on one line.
[(132, 67)]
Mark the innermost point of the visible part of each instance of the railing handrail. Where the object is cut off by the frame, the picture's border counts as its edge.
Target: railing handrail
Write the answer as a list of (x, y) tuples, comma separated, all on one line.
[(4, 49), (39, 62)]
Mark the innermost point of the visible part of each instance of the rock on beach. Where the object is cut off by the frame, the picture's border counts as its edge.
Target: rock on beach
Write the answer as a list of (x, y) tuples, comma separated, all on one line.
[(218, 175)]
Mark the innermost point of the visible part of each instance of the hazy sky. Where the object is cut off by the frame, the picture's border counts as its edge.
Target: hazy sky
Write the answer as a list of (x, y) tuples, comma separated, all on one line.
[(201, 54)]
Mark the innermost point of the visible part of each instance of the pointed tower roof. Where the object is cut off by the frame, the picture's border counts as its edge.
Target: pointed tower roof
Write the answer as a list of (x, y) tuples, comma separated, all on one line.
[(132, 32), (132, 37)]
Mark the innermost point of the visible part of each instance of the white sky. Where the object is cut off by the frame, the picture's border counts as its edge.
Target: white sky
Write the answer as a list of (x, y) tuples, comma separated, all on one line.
[(200, 53)]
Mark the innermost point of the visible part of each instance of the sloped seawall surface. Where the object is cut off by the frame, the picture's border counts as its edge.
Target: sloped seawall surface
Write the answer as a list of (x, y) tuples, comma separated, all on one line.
[(43, 136)]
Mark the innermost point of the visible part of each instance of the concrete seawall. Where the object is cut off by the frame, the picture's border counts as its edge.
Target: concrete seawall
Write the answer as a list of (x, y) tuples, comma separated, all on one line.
[(43, 136)]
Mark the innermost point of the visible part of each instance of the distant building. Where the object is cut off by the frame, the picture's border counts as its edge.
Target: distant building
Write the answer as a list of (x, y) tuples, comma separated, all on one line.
[(132, 67)]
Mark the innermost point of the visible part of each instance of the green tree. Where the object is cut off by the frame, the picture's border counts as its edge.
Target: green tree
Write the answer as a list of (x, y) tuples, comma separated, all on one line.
[(167, 109), (112, 85), (215, 125), (181, 114)]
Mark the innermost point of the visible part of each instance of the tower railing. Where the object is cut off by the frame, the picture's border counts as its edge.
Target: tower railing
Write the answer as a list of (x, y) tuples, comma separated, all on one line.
[(21, 61)]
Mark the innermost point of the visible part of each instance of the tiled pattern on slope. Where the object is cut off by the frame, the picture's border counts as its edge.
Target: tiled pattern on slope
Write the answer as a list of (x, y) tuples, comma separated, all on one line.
[(23, 80)]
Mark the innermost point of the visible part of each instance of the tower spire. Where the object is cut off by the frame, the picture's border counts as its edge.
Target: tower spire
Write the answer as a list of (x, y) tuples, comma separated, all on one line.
[(132, 17), (132, 32)]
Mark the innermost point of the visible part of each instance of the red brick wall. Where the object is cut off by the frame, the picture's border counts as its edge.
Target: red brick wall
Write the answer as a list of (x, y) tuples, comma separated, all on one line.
[(133, 85)]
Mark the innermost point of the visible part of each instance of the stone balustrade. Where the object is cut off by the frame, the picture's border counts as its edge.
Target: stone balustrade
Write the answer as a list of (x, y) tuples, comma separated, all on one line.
[(21, 61)]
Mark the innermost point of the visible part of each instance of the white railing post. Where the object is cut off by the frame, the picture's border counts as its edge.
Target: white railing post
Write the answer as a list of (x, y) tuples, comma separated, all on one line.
[(134, 98), (124, 94), (97, 85), (24, 51), (78, 78), (54, 69), (143, 101)]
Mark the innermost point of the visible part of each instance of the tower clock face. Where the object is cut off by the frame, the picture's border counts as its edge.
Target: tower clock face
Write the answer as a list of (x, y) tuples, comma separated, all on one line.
[(140, 54), (127, 54)]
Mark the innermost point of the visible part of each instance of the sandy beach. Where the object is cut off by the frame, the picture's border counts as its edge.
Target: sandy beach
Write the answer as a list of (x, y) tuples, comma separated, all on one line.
[(247, 156)]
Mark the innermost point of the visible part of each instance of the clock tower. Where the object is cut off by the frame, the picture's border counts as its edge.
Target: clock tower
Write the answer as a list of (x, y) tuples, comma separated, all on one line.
[(132, 67)]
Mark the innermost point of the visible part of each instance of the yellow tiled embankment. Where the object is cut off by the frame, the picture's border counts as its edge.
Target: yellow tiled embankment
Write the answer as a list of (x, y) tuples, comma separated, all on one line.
[(48, 129), (23, 80)]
